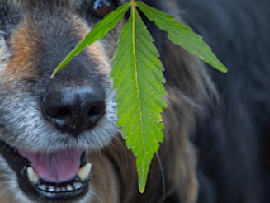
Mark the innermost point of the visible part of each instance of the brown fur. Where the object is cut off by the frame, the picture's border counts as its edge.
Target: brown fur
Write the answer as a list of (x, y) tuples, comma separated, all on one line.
[(23, 51)]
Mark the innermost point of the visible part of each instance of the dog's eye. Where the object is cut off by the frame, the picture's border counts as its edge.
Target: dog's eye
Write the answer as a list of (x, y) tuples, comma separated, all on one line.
[(102, 8)]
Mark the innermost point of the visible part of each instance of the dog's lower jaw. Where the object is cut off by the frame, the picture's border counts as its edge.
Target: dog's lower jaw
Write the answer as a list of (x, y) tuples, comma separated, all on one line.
[(98, 187), (11, 192)]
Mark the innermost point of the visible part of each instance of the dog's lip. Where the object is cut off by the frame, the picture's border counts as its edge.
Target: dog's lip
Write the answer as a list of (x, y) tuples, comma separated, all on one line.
[(59, 190), (19, 164)]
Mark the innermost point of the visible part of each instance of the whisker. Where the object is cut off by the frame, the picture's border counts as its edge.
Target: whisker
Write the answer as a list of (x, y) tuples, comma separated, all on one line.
[(163, 176)]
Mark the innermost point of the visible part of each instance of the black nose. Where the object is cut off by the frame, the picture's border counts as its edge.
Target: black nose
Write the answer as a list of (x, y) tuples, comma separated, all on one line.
[(74, 110)]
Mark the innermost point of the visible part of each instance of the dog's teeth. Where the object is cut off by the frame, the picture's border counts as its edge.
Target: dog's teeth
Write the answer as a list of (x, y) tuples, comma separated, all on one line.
[(77, 185), (42, 187), (32, 175), (69, 188), (51, 189), (84, 171), (63, 189), (57, 189)]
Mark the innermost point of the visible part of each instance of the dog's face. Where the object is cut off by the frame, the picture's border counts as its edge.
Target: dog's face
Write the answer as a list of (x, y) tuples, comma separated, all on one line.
[(58, 137), (48, 126)]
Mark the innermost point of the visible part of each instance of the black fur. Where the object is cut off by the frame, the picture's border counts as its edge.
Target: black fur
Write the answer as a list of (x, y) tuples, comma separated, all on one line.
[(233, 138), (233, 143)]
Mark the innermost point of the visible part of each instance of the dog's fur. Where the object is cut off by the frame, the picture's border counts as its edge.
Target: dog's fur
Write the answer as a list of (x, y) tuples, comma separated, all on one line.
[(215, 142)]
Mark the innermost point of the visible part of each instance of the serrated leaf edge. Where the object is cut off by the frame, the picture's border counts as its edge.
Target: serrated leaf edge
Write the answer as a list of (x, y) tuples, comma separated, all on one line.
[(218, 65)]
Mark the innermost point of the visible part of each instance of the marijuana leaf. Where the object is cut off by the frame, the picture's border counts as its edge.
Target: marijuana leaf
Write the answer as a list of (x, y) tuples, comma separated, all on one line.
[(182, 35), (138, 79)]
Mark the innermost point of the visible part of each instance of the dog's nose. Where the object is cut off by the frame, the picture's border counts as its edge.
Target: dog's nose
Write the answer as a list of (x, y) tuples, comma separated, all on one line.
[(74, 110)]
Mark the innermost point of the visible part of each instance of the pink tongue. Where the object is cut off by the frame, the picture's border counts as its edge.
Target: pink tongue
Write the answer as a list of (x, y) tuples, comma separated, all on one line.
[(55, 167)]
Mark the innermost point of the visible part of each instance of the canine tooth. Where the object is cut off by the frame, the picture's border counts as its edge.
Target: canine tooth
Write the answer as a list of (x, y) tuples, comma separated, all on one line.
[(42, 187), (63, 189), (77, 185), (51, 189), (58, 189), (32, 175), (84, 171), (69, 188)]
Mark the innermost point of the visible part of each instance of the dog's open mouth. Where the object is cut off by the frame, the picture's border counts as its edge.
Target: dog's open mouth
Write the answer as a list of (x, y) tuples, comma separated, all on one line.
[(60, 175)]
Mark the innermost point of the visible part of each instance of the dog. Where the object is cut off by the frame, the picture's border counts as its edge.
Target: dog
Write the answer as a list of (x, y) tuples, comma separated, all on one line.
[(58, 137)]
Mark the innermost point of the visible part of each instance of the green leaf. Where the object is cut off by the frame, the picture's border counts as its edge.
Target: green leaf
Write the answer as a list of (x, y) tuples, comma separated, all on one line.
[(138, 79), (183, 35), (99, 31)]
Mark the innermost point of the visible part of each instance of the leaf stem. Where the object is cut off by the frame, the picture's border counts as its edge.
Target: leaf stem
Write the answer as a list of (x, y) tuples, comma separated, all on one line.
[(132, 3)]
